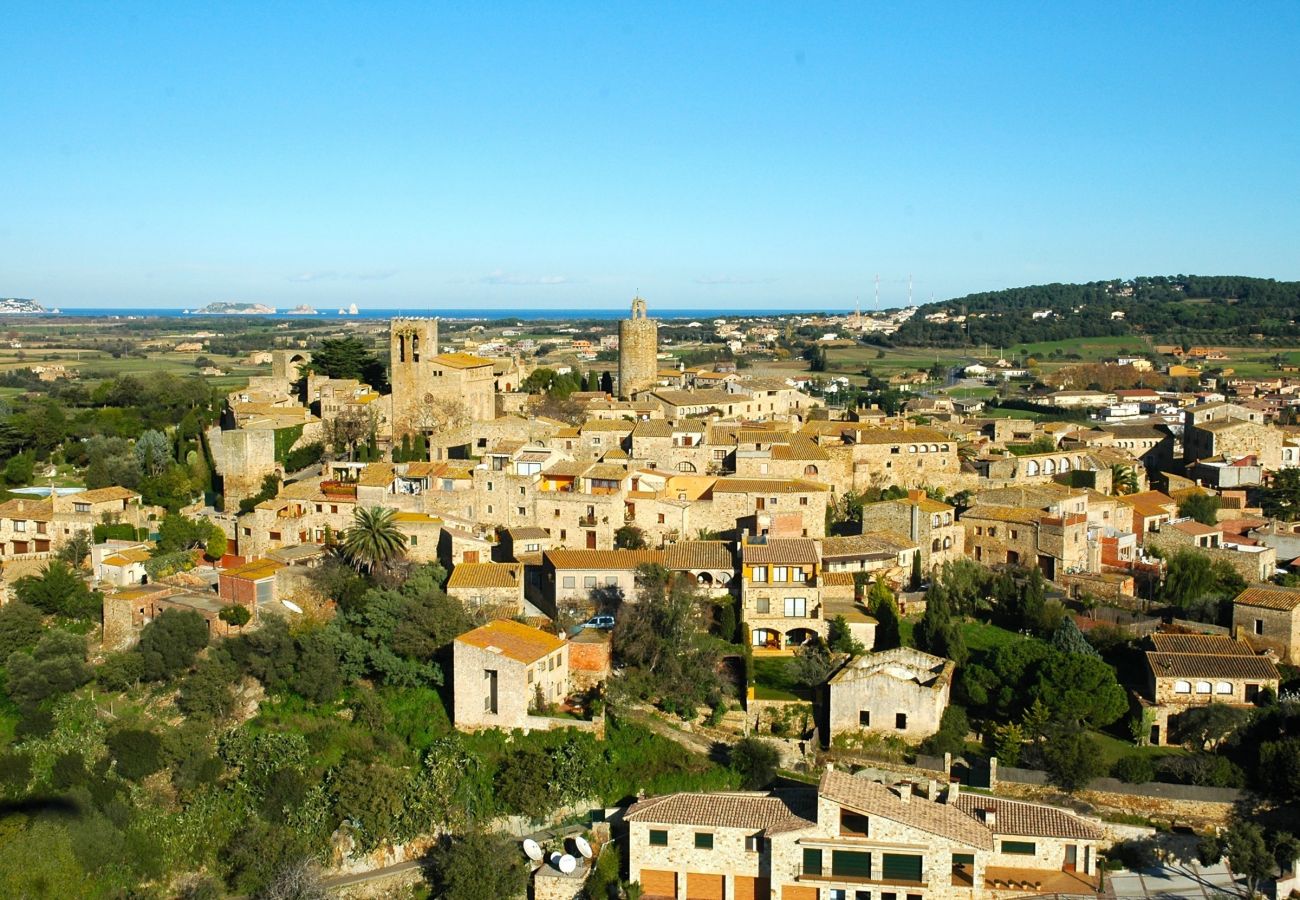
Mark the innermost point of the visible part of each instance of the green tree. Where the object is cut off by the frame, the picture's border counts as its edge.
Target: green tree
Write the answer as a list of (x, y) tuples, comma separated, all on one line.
[(137, 752), (1192, 579), (1069, 639), (938, 632), (169, 644), (1008, 742), (349, 357), (1206, 727), (60, 591), (20, 469), (21, 627), (374, 540), (120, 671), (216, 546), (841, 639), (1202, 508), (951, 736), (663, 635), (1071, 757), (1244, 845), (235, 615), (1280, 499), (55, 666), (811, 663), (756, 761), (629, 537), (153, 452), (456, 870), (1123, 479), (75, 549), (885, 611), (1279, 768)]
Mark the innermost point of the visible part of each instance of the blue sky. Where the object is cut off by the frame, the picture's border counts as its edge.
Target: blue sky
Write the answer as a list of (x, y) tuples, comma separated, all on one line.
[(706, 155)]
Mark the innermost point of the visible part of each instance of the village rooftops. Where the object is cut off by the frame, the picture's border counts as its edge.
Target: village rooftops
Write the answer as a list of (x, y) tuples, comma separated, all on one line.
[(514, 640), (871, 543), (778, 551), (603, 559), (485, 575), (699, 555), (1015, 817), (741, 485), (771, 813), (1150, 503), (875, 799), (1211, 644), (103, 495), (461, 360), (1205, 665), (32, 510), (528, 532), (1269, 597)]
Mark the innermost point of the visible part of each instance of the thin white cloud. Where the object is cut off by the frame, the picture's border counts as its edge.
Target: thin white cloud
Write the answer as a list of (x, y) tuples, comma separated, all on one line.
[(500, 276), (375, 275)]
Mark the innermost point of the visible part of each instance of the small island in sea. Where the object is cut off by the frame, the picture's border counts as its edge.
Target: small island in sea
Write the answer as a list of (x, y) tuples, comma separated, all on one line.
[(302, 309), (228, 308), (18, 306)]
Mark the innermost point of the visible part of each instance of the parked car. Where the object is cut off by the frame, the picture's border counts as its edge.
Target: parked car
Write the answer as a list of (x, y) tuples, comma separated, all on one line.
[(599, 622)]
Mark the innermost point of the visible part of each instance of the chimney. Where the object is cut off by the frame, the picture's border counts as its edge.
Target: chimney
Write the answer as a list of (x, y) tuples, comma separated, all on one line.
[(954, 789), (904, 791), (932, 791), (989, 816)]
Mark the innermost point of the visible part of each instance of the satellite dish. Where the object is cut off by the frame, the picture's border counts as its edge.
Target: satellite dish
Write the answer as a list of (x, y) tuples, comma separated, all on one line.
[(567, 864), (555, 858), (583, 847), (532, 850), (292, 607)]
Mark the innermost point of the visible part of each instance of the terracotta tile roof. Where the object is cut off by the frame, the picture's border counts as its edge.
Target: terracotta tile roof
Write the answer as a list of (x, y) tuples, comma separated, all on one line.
[(1014, 514), (902, 436), (1197, 665), (653, 428), (104, 494), (255, 570), (31, 510), (619, 425), (1195, 528), (696, 398), (603, 559), (421, 469), (607, 472), (519, 642), (566, 469), (733, 485), (524, 532), (1015, 817), (1151, 503), (377, 475), (1264, 596), (699, 555), (127, 557), (1214, 644), (837, 579), (799, 447), (779, 551), (485, 575), (771, 813), (461, 360), (867, 544), (874, 799)]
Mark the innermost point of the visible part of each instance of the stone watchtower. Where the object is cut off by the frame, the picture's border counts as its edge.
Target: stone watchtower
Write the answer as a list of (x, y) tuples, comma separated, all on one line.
[(413, 344), (638, 351)]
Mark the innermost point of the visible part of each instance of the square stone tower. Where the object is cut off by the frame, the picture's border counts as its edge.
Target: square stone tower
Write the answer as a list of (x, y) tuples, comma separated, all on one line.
[(413, 344), (638, 351)]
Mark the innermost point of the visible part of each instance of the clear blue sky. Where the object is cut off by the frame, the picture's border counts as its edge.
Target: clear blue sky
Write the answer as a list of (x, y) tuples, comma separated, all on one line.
[(552, 154)]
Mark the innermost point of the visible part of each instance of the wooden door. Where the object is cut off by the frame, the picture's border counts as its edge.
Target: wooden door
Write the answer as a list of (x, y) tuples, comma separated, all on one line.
[(704, 887), (751, 888), (1071, 857), (657, 883)]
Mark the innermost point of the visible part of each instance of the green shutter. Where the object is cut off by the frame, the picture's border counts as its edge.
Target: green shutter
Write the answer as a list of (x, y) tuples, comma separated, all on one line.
[(703, 840), (850, 863), (812, 861), (963, 859), (1020, 848), (658, 838), (900, 867)]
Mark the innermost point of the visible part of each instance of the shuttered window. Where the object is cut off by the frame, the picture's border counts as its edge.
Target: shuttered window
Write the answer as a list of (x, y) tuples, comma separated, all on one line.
[(851, 864), (900, 867), (1020, 848), (812, 861), (658, 838), (963, 859)]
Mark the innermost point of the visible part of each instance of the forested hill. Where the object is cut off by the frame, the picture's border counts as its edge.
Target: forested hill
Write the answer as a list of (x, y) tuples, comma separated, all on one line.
[(1199, 308)]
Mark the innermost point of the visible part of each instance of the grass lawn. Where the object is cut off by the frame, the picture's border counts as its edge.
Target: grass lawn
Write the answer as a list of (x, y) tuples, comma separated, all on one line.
[(773, 681), (1113, 748), (982, 637)]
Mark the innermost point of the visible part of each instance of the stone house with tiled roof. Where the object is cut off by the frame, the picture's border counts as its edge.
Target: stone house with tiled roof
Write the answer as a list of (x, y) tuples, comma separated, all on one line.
[(881, 553), (881, 457), (500, 671), (490, 589), (1269, 616), (591, 579), (1189, 671), (931, 524), (781, 602), (852, 838), (1021, 536)]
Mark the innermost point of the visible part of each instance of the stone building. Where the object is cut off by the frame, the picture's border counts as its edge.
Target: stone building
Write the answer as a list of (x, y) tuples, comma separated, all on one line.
[(501, 670), (1233, 438), (413, 343), (900, 691), (931, 524), (1254, 562), (1020, 536), (1269, 616), (781, 601), (881, 457), (1185, 671), (32, 528), (851, 839), (638, 351), (492, 589)]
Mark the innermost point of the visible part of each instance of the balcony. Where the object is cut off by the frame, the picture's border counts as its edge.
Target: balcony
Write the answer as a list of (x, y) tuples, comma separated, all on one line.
[(587, 522), (338, 489)]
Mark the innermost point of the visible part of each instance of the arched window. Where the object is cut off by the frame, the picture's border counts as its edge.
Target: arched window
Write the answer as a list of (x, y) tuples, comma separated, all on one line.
[(947, 543), (685, 466), (1031, 467), (1223, 687), (723, 577), (911, 448), (415, 348), (924, 449), (1182, 687), (1065, 464), (1202, 687), (1049, 467), (934, 545), (810, 469)]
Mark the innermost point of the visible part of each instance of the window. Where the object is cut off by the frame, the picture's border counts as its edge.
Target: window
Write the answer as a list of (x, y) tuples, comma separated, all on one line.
[(759, 573), (993, 531), (796, 607), (798, 575), (489, 486), (81, 507), (569, 581), (851, 864), (812, 861), (415, 540), (1020, 848), (763, 605), (853, 823), (20, 525), (864, 718), (611, 580), (1182, 687), (900, 867), (753, 843), (589, 581), (662, 520), (1223, 687), (658, 837), (1202, 687), (900, 721), (1259, 626), (703, 840), (780, 573)]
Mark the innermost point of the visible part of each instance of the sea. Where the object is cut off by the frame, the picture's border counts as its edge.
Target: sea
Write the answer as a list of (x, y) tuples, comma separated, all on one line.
[(533, 314)]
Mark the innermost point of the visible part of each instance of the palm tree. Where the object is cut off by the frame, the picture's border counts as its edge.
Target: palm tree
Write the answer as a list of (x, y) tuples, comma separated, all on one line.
[(1123, 479), (374, 538)]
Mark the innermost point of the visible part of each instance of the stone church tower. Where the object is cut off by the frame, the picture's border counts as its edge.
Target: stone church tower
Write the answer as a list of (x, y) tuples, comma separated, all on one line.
[(638, 351), (413, 344)]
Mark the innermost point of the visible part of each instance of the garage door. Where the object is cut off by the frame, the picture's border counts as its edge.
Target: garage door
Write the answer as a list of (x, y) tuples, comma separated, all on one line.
[(790, 892), (751, 888), (704, 887), (655, 883)]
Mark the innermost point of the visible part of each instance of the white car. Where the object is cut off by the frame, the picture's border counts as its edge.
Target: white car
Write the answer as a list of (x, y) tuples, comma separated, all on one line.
[(599, 622)]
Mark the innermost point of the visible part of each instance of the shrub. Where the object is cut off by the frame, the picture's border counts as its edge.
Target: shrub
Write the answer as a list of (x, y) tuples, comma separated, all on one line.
[(138, 752), (755, 761), (1135, 768)]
